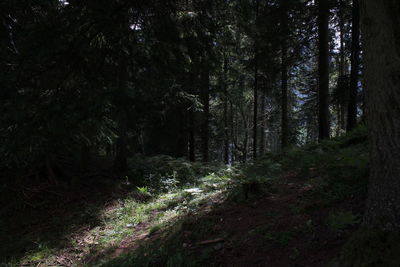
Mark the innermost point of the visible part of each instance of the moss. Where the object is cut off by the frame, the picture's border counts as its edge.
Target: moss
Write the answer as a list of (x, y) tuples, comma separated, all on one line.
[(372, 248)]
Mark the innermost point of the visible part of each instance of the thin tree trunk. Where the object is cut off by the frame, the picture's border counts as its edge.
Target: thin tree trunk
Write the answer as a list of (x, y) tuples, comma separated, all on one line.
[(381, 35), (355, 53), (263, 123), (255, 109), (245, 142), (192, 82), (342, 63), (323, 69), (181, 144), (120, 162), (226, 126), (205, 97), (232, 132), (192, 150), (342, 70), (284, 75), (255, 95)]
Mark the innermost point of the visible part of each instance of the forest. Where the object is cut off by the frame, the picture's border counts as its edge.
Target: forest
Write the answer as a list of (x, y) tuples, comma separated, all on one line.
[(200, 133)]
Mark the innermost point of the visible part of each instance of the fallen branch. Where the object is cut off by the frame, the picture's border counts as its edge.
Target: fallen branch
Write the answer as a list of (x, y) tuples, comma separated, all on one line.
[(211, 241)]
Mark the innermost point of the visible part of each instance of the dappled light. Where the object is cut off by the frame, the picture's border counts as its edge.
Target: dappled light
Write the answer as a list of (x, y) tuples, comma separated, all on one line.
[(199, 133)]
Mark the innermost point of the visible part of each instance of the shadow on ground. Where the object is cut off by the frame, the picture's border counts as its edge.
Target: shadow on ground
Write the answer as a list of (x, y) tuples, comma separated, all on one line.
[(43, 218), (285, 226)]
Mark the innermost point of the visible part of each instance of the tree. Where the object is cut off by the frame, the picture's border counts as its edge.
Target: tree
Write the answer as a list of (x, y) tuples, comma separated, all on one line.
[(205, 99), (355, 54), (255, 94), (323, 69), (381, 35), (340, 94), (284, 74)]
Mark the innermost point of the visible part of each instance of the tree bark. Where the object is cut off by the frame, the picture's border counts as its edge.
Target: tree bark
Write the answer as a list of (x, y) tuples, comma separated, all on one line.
[(226, 125), (263, 122), (381, 33), (323, 69), (120, 162), (342, 71), (255, 95), (284, 75), (192, 147), (255, 108), (355, 54), (205, 97)]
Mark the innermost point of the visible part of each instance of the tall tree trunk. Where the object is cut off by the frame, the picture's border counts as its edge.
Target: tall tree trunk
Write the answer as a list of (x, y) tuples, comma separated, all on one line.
[(192, 147), (226, 125), (245, 141), (342, 71), (342, 62), (263, 122), (255, 108), (232, 132), (205, 98), (193, 80), (323, 69), (355, 54), (182, 138), (284, 75), (120, 162), (255, 95), (382, 82)]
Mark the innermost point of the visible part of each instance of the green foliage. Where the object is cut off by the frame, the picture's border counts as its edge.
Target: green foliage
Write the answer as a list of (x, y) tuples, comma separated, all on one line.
[(164, 173), (342, 219), (335, 168), (344, 157), (143, 190)]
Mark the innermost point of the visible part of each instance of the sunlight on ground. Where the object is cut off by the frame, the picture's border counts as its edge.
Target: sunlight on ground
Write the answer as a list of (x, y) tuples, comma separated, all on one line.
[(130, 220)]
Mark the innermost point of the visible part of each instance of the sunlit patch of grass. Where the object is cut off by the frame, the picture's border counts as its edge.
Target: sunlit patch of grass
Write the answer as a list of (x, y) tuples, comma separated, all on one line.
[(131, 217), (41, 254)]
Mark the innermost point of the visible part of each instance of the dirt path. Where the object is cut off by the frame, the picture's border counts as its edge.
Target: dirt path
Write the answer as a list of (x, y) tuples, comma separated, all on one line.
[(286, 228), (282, 229)]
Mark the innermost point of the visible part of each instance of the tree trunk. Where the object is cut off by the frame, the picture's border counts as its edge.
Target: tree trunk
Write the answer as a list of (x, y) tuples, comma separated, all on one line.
[(342, 62), (323, 69), (382, 82), (192, 147), (205, 97), (342, 71), (232, 132), (355, 52), (255, 108), (120, 163), (192, 82), (182, 138), (284, 75), (226, 132), (255, 95), (263, 123)]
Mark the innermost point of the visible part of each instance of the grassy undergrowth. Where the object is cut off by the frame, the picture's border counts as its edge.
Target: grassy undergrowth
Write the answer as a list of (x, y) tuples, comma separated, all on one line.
[(335, 172), (161, 218)]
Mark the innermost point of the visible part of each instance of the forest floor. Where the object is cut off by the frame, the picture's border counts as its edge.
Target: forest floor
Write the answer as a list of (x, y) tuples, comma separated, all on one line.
[(292, 209)]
